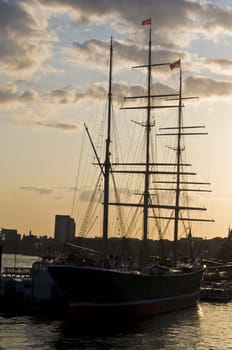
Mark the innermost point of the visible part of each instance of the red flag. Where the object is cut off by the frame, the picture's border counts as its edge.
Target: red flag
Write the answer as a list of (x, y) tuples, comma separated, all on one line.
[(146, 21), (175, 64)]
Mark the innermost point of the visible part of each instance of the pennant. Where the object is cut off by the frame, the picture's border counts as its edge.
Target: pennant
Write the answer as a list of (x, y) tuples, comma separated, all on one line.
[(175, 64), (146, 21)]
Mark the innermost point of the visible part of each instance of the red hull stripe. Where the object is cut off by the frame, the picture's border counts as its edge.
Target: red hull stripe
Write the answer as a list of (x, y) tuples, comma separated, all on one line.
[(80, 311), (139, 302)]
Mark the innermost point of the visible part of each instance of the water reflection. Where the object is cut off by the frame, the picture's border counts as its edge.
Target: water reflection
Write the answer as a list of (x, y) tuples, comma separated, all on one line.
[(169, 331), (206, 327), (20, 332), (215, 326)]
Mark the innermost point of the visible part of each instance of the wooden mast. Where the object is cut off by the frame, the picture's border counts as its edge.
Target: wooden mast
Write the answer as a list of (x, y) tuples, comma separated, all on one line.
[(178, 131), (178, 165), (107, 164), (147, 161)]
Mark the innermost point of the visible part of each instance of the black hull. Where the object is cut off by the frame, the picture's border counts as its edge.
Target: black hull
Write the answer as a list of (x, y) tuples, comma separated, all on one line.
[(100, 293)]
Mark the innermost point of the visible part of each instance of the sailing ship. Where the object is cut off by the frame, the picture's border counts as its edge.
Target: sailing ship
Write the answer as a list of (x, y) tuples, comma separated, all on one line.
[(103, 292)]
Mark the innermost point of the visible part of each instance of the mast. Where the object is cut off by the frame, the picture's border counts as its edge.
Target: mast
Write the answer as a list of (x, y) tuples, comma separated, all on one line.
[(178, 165), (147, 161), (107, 164), (147, 170)]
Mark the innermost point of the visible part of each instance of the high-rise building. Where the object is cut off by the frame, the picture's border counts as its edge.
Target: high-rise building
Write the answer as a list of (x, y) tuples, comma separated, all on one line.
[(65, 227)]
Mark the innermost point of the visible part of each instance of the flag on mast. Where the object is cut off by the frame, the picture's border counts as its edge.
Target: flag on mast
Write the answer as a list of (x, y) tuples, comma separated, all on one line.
[(146, 21), (175, 64)]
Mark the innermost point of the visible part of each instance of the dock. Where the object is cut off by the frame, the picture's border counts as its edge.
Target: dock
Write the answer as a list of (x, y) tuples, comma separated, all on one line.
[(17, 272), (30, 291)]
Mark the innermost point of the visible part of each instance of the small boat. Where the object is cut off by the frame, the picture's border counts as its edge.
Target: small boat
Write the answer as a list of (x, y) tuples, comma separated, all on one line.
[(123, 291), (30, 290), (216, 292)]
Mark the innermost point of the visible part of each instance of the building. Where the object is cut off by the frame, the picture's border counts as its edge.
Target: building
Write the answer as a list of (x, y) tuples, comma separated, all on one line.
[(65, 227), (10, 235)]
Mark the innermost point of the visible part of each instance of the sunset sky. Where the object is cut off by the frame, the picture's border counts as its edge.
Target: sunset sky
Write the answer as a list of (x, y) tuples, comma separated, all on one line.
[(53, 63)]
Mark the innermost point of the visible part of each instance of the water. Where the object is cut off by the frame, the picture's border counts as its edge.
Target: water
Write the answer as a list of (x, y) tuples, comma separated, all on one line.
[(11, 260), (205, 327)]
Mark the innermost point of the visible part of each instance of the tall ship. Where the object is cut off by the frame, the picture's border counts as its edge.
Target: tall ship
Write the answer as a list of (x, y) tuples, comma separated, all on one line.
[(111, 290)]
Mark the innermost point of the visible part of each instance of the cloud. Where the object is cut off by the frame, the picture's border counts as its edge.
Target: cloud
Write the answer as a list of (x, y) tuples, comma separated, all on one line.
[(64, 96), (69, 95), (57, 192), (9, 94), (181, 19), (125, 54), (218, 65), (217, 18), (98, 91), (25, 44), (87, 195), (206, 87), (27, 38), (28, 108), (85, 10), (40, 190), (199, 85), (97, 51), (53, 125)]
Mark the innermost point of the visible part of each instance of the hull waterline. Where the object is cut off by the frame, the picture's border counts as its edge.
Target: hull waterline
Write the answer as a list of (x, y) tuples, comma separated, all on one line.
[(82, 311), (94, 293)]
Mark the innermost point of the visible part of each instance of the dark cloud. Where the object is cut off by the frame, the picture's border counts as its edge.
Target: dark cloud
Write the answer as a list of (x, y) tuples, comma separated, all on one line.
[(86, 10), (61, 126), (24, 42), (63, 96), (161, 11), (97, 50), (216, 17), (128, 55), (171, 19), (97, 91), (192, 85), (26, 39), (125, 54), (200, 86)]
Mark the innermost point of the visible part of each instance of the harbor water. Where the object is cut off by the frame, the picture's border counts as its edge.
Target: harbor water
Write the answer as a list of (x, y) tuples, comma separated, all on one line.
[(204, 327)]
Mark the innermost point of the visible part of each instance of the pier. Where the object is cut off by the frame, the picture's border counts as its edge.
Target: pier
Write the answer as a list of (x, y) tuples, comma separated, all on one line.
[(17, 272)]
